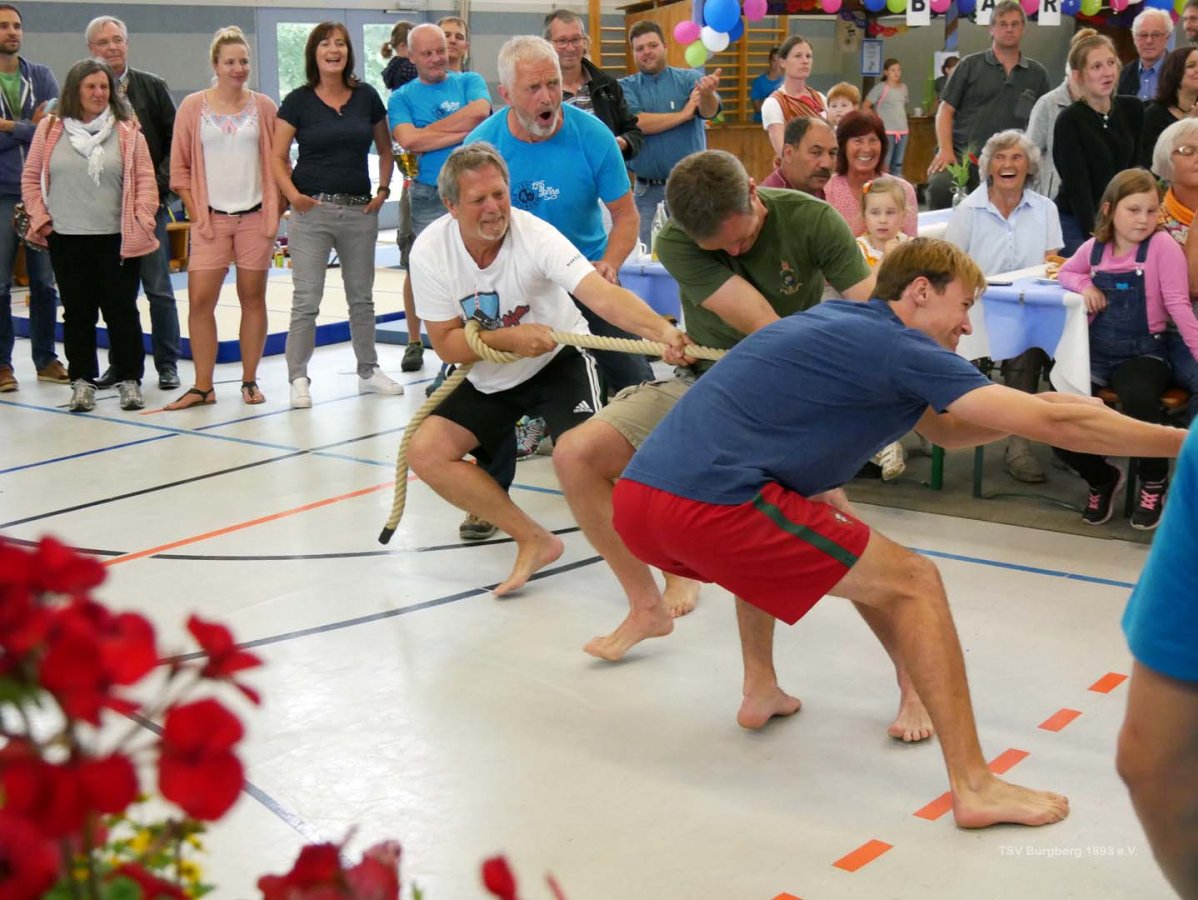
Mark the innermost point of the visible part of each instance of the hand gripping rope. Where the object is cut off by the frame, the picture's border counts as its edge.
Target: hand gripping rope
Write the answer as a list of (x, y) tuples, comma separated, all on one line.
[(474, 339)]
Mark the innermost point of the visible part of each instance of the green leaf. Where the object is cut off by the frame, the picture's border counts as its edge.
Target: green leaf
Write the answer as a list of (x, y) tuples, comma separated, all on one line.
[(120, 889), (60, 891), (417, 894)]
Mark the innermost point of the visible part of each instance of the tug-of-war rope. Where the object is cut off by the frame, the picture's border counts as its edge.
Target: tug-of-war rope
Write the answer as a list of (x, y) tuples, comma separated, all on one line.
[(488, 354)]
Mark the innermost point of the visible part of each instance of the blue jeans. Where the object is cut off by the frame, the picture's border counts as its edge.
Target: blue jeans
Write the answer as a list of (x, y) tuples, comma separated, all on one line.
[(646, 197), (898, 151), (1071, 232), (43, 299), (156, 282)]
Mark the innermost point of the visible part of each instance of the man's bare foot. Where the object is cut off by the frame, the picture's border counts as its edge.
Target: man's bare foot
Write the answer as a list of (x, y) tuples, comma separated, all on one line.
[(912, 722), (999, 801), (530, 556), (681, 595), (757, 709), (636, 627)]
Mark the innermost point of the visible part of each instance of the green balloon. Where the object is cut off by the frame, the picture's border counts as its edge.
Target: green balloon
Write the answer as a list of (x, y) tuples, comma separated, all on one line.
[(696, 54), (1091, 7), (896, 6)]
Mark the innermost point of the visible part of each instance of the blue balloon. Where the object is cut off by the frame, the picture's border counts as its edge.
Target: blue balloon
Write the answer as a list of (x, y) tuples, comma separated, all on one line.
[(1164, 5), (1071, 7), (722, 15), (875, 5), (966, 7), (739, 28)]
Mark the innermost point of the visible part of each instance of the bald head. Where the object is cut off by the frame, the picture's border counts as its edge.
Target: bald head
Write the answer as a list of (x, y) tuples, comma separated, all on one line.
[(428, 51)]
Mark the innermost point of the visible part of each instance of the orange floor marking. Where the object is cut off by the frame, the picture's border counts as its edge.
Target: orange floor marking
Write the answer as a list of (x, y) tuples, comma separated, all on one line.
[(1005, 761), (1108, 683), (862, 856), (1060, 719), (240, 526), (785, 896)]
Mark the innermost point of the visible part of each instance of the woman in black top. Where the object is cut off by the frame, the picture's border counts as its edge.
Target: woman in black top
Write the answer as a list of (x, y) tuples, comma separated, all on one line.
[(1176, 93), (1094, 139)]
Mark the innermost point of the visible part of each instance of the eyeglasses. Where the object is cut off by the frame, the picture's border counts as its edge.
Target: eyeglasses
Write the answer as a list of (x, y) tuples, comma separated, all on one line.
[(563, 43), (1186, 150), (1152, 35)]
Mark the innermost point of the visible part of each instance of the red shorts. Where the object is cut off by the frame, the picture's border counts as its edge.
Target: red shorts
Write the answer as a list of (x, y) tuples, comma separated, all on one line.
[(779, 551)]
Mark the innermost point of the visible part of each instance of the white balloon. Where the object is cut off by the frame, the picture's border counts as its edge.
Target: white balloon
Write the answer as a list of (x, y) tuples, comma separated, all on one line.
[(713, 40)]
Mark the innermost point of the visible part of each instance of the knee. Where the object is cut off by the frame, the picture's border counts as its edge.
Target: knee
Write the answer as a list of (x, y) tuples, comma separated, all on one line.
[(587, 451), (424, 452), (1135, 759), (917, 580)]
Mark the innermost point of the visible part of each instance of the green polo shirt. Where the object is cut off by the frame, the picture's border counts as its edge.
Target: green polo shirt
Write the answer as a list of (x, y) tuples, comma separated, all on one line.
[(988, 100)]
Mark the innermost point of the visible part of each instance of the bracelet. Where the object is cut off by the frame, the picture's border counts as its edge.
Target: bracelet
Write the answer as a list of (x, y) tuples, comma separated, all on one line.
[(384, 189)]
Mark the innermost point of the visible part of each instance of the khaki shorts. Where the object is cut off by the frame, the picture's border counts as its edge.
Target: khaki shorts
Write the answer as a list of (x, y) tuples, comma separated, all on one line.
[(636, 410)]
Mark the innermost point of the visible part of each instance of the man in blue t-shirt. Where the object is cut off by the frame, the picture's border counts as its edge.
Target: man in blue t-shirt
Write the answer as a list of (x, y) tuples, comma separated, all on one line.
[(766, 83), (731, 504), (431, 115), (1158, 753), (670, 105)]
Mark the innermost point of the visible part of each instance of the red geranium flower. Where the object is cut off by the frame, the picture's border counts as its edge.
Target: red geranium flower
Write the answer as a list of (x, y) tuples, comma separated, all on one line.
[(197, 768), (152, 887), (316, 875), (225, 658), (58, 799), (28, 861), (376, 877), (498, 878)]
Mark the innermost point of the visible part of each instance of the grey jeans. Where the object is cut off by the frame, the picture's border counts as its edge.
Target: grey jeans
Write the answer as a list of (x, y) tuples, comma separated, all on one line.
[(310, 237)]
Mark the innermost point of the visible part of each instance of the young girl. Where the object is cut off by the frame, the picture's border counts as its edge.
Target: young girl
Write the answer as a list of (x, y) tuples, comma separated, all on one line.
[(883, 205), (1133, 277), (843, 98), (890, 97)]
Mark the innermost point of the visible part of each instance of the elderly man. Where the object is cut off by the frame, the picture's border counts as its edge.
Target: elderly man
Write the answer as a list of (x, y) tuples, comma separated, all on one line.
[(671, 105), (586, 86), (108, 39), (515, 275), (431, 115), (1150, 31), (748, 490), (989, 92), (808, 157), (25, 88)]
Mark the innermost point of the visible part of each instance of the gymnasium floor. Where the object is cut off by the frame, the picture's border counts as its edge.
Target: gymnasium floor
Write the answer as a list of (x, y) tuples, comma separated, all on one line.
[(401, 697)]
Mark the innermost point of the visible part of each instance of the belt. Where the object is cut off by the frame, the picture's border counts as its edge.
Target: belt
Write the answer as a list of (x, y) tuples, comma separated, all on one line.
[(652, 182), (344, 199), (240, 212)]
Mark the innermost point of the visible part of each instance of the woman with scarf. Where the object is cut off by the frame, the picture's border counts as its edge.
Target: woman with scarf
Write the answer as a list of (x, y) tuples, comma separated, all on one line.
[(91, 195), (794, 98)]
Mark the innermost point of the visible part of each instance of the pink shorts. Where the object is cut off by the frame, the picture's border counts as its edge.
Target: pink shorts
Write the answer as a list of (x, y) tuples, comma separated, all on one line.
[(237, 239), (779, 551)]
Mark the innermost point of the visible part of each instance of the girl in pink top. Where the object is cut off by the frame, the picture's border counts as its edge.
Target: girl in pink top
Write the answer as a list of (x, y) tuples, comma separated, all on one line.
[(1133, 277)]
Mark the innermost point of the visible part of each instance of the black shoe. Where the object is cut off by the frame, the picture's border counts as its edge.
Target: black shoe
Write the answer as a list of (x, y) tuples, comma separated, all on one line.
[(1149, 505), (168, 378), (413, 357), (1101, 503), (108, 379)]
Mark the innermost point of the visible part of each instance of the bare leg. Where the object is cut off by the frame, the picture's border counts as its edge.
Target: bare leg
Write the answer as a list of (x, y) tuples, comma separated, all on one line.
[(681, 594), (908, 588), (588, 459), (203, 290), (251, 292), (435, 454), (763, 699)]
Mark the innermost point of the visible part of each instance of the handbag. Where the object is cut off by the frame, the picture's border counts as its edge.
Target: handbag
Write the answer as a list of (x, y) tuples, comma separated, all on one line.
[(21, 219)]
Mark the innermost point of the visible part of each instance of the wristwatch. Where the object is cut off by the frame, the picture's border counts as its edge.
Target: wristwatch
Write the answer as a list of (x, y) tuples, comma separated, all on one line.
[(384, 189)]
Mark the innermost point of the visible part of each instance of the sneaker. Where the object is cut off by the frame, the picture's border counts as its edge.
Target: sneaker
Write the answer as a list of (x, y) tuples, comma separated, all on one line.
[(1101, 503), (131, 397), (431, 387), (1020, 464), (300, 396), (378, 383), (529, 433), (83, 396), (891, 461), (1151, 502), (413, 357), (475, 529), (54, 372), (168, 378), (8, 381), (107, 380)]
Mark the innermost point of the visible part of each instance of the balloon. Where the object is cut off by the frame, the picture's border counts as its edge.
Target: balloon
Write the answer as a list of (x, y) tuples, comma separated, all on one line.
[(1091, 7), (831, 6), (757, 9), (875, 5), (737, 30), (941, 6), (713, 40), (896, 6), (687, 32), (1031, 7), (1073, 7), (1163, 5), (696, 54), (721, 15), (1118, 5), (966, 7), (1179, 6)]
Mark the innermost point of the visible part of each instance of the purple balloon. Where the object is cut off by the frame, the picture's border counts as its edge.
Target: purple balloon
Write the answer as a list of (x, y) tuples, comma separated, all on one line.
[(1071, 7)]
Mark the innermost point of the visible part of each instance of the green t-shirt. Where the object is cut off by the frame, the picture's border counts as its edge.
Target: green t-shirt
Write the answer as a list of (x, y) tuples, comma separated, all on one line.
[(803, 243), (11, 85)]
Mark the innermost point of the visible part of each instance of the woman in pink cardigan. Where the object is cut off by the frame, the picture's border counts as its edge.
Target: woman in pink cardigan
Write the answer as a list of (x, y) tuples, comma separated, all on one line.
[(88, 186), (220, 169)]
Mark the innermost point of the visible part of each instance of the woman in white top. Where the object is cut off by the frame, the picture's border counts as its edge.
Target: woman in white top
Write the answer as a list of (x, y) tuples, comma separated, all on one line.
[(220, 167), (889, 96), (794, 98)]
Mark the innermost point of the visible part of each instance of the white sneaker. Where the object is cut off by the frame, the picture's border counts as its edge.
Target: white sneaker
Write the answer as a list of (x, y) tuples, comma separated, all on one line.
[(83, 396), (378, 383), (892, 461), (130, 392), (301, 398)]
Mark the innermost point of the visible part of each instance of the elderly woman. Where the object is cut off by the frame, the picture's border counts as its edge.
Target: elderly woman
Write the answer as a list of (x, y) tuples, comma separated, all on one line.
[(92, 198), (1005, 226), (1176, 162), (861, 157), (1176, 95)]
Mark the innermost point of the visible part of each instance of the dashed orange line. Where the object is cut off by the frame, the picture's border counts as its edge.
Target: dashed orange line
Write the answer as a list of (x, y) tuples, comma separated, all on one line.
[(1108, 683), (1060, 719), (1007, 760), (942, 804), (862, 856), (241, 526), (785, 896)]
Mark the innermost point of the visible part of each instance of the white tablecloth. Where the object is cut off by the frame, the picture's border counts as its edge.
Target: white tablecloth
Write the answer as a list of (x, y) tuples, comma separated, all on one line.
[(933, 223)]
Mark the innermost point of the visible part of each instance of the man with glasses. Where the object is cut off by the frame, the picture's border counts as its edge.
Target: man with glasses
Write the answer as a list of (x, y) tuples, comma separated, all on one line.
[(1151, 31)]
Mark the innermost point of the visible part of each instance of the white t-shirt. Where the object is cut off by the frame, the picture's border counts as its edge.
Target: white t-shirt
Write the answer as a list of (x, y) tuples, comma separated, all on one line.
[(232, 158), (529, 282)]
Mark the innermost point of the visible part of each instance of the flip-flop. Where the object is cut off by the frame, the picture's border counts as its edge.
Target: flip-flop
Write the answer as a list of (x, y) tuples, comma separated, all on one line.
[(206, 398), (250, 395)]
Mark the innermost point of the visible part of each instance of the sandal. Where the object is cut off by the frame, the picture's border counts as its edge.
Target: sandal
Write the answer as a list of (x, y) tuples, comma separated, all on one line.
[(193, 397), (250, 395)]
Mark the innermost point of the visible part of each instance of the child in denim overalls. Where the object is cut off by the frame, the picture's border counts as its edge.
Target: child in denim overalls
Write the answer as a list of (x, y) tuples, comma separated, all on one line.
[(1133, 277)]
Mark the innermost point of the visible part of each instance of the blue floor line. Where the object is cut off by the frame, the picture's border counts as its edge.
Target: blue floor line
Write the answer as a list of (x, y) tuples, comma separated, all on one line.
[(1034, 570), (57, 459)]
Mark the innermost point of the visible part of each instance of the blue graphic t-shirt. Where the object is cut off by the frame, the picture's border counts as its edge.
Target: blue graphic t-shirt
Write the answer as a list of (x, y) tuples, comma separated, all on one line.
[(563, 179), (419, 103)]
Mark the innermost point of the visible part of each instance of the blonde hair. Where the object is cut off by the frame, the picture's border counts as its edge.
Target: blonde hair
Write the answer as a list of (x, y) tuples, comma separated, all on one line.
[(230, 34), (1080, 48), (884, 184), (845, 91), (938, 261), (1122, 186)]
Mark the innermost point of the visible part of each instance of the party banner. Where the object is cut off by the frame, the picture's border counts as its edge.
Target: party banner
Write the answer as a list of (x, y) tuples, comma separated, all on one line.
[(1050, 12), (919, 12), (985, 11)]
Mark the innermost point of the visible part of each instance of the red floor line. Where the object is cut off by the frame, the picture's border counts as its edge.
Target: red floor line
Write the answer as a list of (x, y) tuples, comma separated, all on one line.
[(240, 526), (862, 856), (1108, 683), (1060, 719), (1004, 762)]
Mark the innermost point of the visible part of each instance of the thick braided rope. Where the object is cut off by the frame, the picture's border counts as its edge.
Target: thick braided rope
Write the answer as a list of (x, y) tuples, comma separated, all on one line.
[(474, 339)]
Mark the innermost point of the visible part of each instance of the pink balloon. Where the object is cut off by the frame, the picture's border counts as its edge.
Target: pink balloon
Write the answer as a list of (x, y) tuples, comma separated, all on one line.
[(1031, 7), (686, 32), (831, 6), (940, 6), (756, 9)]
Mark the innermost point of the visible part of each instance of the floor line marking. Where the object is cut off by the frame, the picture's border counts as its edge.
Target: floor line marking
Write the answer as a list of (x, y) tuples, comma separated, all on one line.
[(1060, 719), (1034, 570), (1002, 763), (81, 454), (862, 856), (1108, 682)]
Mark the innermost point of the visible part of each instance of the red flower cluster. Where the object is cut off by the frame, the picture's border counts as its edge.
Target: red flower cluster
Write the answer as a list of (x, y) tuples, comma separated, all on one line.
[(197, 768), (318, 874), (225, 659), (28, 862), (152, 887)]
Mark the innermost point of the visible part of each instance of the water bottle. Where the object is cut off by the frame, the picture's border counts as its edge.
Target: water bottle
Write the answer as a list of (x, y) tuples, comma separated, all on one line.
[(659, 222)]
